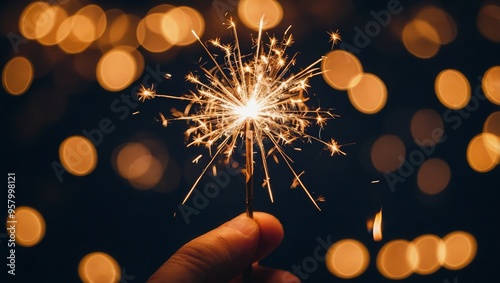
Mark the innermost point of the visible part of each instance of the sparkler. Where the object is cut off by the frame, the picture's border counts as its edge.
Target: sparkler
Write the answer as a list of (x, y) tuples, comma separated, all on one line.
[(251, 98)]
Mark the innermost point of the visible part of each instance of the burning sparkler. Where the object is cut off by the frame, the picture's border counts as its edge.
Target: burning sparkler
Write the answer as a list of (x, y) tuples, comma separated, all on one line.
[(253, 100)]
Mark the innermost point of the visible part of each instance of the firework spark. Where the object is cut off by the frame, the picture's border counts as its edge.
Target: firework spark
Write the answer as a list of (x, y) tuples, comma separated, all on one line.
[(250, 98)]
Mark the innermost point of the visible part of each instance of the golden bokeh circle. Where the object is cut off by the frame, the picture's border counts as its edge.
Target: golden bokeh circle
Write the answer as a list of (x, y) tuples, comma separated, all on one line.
[(30, 226), (397, 259), (433, 176), (491, 84), (452, 89), (252, 11), (427, 248), (367, 93), (116, 69), (78, 155), (339, 68), (17, 75), (481, 154), (388, 153), (99, 267), (459, 250), (347, 258)]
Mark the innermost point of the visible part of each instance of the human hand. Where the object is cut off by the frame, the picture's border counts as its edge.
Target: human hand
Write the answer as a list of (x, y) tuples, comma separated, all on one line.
[(222, 254)]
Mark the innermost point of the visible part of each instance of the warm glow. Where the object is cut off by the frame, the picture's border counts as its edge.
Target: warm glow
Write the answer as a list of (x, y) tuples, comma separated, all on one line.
[(121, 29), (92, 23), (433, 176), (99, 267), (397, 259), (347, 258), (492, 124), (71, 32), (488, 21), (427, 248), (36, 20), (481, 153), (367, 93), (491, 84), (150, 34), (252, 11), (30, 226), (427, 127), (178, 25), (116, 69), (459, 250), (17, 75), (377, 227), (388, 153), (452, 89), (51, 37), (250, 110), (421, 39), (340, 68), (78, 155), (441, 21)]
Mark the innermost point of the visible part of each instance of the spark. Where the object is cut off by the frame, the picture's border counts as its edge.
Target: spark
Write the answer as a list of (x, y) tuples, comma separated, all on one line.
[(334, 37), (136, 112), (257, 91), (197, 159), (375, 181)]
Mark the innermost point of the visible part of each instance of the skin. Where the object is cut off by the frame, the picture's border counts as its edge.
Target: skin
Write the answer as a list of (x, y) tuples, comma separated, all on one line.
[(222, 254)]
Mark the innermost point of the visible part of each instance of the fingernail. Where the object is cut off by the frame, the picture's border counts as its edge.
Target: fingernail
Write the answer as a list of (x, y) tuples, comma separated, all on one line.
[(245, 225)]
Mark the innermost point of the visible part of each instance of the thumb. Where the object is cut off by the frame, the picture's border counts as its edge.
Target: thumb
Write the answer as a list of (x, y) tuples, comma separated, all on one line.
[(217, 256)]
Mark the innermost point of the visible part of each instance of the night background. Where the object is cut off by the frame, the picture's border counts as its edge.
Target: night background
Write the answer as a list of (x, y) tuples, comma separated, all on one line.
[(415, 85)]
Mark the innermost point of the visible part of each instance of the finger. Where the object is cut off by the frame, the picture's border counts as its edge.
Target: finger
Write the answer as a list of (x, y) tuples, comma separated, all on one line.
[(222, 253), (271, 234)]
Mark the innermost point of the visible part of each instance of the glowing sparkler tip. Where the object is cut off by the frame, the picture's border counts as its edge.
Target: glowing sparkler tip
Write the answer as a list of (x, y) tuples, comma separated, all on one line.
[(334, 148), (334, 37), (146, 92)]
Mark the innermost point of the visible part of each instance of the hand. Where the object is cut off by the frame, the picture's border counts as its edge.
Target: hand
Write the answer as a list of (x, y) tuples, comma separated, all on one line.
[(222, 254)]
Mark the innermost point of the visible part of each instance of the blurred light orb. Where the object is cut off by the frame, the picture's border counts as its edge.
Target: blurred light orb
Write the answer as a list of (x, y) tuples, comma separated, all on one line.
[(30, 226), (452, 89), (150, 34), (492, 124), (339, 68), (481, 154), (397, 259), (459, 250), (71, 32), (367, 93), (252, 11), (93, 23), (388, 153), (116, 69), (427, 127), (421, 39), (488, 21), (36, 20), (78, 155), (427, 248), (178, 25), (347, 258), (51, 37), (433, 176), (17, 75), (491, 84), (441, 21), (99, 267)]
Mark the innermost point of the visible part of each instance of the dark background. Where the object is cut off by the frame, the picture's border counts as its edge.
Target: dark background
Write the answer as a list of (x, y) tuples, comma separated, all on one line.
[(102, 212)]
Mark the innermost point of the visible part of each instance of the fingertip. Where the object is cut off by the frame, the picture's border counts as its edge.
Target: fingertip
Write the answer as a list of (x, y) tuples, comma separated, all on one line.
[(271, 233)]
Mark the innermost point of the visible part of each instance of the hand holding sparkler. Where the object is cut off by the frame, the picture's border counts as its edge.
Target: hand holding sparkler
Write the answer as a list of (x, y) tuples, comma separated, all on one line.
[(222, 254)]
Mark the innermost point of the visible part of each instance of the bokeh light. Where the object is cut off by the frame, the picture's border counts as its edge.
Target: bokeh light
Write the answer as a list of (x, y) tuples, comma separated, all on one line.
[(78, 155), (441, 21), (17, 75), (427, 248), (452, 89), (36, 20), (58, 16), (488, 21), (427, 127), (71, 31), (116, 69), (178, 23), (367, 93), (491, 84), (459, 250), (30, 226), (347, 258), (92, 23), (149, 30), (99, 267), (421, 39), (397, 259), (481, 153), (252, 11), (388, 153), (433, 176), (339, 68), (492, 124)]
